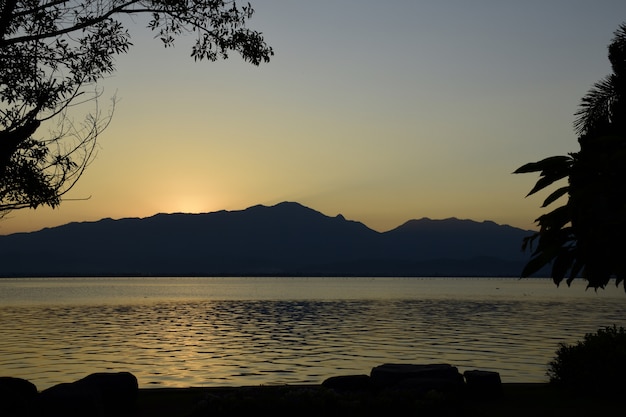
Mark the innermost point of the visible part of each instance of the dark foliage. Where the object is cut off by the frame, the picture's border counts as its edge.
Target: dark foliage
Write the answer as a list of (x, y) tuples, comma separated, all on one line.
[(596, 365), (52, 54), (585, 236)]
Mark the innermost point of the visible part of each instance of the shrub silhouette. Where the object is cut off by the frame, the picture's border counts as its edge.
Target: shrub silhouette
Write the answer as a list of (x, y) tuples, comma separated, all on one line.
[(595, 365)]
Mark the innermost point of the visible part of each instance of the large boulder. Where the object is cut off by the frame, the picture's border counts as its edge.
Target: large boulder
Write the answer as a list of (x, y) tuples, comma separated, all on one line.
[(17, 396), (70, 400), (97, 394), (118, 390), (440, 377)]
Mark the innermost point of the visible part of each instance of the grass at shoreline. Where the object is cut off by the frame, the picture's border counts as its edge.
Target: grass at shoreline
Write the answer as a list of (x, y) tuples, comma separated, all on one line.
[(517, 399)]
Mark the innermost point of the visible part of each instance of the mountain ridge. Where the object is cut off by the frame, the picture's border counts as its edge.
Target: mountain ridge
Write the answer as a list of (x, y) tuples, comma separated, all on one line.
[(285, 239)]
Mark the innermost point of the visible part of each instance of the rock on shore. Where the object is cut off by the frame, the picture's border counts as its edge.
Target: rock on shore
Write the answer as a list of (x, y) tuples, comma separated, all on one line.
[(113, 394)]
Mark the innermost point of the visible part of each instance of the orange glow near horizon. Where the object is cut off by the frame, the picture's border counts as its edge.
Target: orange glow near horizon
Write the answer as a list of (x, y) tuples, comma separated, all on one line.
[(391, 113)]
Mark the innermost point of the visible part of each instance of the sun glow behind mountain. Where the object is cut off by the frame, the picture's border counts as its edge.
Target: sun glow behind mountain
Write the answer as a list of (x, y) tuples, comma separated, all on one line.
[(380, 111)]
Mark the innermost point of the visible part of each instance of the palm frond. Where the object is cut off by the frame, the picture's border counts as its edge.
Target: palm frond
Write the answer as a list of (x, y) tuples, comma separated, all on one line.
[(617, 51), (596, 106), (551, 164)]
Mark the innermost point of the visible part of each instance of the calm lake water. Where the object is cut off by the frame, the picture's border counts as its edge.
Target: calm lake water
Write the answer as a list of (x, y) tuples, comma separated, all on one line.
[(181, 332)]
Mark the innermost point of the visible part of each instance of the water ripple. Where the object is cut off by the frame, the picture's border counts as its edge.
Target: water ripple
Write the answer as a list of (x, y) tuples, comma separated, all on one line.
[(243, 342)]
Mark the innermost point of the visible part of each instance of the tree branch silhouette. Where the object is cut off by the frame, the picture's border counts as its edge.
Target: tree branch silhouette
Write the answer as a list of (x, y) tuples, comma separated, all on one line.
[(52, 52)]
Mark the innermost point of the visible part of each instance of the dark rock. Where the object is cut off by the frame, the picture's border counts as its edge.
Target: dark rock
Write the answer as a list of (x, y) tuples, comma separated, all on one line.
[(17, 396), (70, 400), (483, 383), (118, 390), (348, 382), (442, 377), (95, 395), (425, 384)]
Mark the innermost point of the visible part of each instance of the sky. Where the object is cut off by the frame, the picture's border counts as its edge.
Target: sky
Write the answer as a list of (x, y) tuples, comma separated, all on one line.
[(380, 111)]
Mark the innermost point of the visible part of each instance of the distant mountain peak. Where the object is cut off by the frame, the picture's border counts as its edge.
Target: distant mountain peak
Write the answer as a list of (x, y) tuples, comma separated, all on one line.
[(426, 222), (284, 239)]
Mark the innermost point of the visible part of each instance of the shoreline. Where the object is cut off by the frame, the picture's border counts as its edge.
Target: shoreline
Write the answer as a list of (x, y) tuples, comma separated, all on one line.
[(429, 398), (515, 399)]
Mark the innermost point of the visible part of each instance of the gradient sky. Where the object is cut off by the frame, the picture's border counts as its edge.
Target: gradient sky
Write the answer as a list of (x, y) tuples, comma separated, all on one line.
[(381, 111)]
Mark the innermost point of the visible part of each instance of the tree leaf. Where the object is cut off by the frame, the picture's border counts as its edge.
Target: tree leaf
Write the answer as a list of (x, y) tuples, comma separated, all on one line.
[(575, 271), (545, 181), (535, 264), (554, 220), (552, 163), (562, 263), (527, 242), (555, 196)]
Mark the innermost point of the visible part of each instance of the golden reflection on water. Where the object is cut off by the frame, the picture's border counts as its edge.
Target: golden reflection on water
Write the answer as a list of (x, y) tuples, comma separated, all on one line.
[(190, 341)]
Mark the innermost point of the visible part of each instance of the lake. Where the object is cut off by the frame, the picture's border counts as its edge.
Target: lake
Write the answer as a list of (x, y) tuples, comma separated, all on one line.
[(181, 332)]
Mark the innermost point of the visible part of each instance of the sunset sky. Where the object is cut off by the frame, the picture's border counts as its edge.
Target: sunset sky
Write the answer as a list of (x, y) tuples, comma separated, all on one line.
[(383, 111)]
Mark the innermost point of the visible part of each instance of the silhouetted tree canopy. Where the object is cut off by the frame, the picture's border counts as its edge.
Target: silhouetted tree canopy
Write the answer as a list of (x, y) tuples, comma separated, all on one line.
[(52, 54), (587, 235)]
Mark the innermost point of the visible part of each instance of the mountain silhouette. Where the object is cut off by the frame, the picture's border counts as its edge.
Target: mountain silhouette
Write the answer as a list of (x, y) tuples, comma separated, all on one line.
[(287, 239)]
